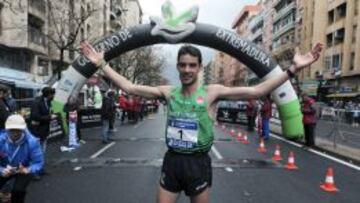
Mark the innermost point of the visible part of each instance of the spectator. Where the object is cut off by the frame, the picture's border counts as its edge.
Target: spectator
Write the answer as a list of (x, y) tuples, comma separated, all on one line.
[(4, 108), (123, 106), (107, 114), (309, 119), (349, 107), (251, 112), (10, 101), (266, 110), (20, 157), (41, 115)]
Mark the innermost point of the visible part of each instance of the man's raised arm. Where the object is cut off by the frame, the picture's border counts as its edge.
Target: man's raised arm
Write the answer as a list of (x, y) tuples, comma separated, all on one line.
[(300, 61), (97, 58)]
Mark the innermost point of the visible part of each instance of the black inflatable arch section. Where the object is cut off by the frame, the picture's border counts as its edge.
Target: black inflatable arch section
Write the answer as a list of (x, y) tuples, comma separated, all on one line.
[(206, 35)]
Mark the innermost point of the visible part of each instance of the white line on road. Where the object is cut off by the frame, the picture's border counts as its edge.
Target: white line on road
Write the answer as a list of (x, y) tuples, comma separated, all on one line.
[(318, 153), (137, 125), (102, 150), (218, 156)]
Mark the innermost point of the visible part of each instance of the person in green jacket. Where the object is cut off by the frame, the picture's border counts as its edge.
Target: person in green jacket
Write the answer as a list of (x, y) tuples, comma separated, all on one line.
[(191, 112)]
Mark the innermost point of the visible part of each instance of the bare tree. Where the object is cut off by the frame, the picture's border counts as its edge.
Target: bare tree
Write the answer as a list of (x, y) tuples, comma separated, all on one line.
[(13, 5), (65, 23), (141, 66)]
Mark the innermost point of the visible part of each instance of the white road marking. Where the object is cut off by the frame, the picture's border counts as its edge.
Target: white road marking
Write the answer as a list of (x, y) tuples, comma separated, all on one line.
[(137, 125), (218, 156), (318, 153), (102, 150)]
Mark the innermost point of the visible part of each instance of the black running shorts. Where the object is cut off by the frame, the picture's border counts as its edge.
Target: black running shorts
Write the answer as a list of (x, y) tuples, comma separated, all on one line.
[(189, 172)]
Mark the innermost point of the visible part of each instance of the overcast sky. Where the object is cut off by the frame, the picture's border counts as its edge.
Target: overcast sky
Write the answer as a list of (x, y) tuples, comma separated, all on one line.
[(215, 12)]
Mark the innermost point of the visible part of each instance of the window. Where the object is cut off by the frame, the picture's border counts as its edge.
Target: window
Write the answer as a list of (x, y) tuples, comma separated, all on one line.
[(329, 40), (341, 11), (336, 62), (88, 29), (35, 30), (328, 63), (339, 36), (43, 67), (356, 9), (352, 61), (331, 17), (82, 34)]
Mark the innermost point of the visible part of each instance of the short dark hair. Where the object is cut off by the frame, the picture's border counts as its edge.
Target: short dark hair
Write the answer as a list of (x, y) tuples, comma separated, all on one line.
[(46, 91), (4, 88), (193, 51)]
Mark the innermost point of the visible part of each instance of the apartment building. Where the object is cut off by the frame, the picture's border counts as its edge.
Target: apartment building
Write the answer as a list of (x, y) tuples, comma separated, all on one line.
[(342, 53), (284, 24), (236, 72)]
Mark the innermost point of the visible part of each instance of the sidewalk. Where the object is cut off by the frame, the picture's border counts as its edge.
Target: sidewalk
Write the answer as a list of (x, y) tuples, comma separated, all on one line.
[(348, 147)]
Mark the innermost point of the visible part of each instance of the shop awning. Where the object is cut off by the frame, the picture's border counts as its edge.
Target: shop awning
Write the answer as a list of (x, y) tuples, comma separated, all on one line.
[(344, 95), (19, 79)]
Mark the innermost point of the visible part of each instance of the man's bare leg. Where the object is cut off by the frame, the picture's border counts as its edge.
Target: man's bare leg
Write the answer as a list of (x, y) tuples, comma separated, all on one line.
[(165, 196), (202, 197)]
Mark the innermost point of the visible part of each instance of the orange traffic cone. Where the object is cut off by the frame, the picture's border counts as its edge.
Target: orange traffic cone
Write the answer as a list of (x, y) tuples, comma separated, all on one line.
[(261, 147), (329, 185), (240, 137), (277, 154), (245, 139), (291, 162)]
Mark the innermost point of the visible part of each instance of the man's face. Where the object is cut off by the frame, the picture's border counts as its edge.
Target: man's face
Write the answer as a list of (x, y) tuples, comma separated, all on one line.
[(15, 134), (188, 67)]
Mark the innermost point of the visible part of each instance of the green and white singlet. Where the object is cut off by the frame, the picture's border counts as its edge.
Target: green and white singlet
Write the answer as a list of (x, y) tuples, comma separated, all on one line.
[(189, 128)]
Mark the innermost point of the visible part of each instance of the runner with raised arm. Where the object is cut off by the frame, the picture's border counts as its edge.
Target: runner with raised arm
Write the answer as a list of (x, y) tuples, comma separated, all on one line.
[(191, 111)]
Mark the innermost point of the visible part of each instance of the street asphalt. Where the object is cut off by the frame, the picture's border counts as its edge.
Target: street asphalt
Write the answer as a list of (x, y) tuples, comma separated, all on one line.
[(128, 170)]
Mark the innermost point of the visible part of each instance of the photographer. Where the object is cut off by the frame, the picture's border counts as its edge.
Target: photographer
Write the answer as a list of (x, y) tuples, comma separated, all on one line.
[(20, 158)]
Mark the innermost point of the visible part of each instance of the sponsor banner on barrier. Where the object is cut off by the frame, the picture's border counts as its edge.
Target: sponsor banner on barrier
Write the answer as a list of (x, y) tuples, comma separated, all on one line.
[(56, 128), (90, 118), (231, 115)]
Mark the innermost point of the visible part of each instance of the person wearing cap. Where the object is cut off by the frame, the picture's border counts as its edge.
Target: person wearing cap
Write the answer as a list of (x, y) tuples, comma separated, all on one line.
[(20, 158)]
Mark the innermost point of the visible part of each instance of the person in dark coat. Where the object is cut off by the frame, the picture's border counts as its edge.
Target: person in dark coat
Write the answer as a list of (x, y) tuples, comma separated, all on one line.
[(41, 115), (108, 110), (4, 108)]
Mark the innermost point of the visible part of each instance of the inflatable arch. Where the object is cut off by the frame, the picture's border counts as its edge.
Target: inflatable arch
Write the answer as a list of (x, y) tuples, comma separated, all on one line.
[(214, 37)]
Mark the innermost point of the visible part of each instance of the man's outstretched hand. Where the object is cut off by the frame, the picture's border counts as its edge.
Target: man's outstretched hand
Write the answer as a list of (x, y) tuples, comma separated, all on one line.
[(90, 53), (303, 60)]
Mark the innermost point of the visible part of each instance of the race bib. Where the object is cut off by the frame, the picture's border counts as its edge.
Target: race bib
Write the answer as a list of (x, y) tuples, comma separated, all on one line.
[(182, 132)]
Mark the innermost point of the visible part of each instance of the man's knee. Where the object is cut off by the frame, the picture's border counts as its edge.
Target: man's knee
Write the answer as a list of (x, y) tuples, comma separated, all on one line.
[(165, 196)]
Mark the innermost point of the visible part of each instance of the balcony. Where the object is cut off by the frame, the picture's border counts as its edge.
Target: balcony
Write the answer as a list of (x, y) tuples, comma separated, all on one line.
[(257, 34), (256, 21), (37, 39), (336, 26), (284, 30), (335, 3), (38, 8), (283, 12), (282, 48)]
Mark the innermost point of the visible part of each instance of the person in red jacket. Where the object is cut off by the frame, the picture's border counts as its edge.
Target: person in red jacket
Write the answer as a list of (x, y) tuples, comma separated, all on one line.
[(251, 112), (130, 108), (266, 110), (309, 119), (123, 104)]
